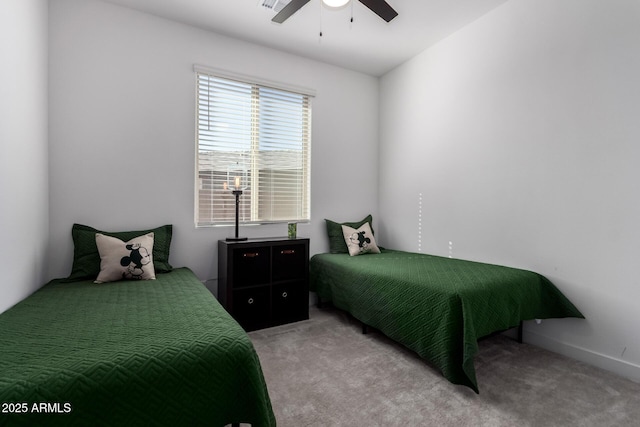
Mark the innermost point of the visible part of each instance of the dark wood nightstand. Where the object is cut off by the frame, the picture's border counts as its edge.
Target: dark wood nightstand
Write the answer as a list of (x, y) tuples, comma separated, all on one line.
[(264, 282)]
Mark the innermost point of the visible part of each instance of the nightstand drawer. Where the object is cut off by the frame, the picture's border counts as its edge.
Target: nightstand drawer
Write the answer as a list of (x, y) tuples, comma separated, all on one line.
[(290, 302), (251, 266), (251, 307), (289, 262)]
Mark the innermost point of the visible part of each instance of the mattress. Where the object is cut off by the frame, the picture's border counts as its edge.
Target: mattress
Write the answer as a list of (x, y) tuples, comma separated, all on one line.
[(158, 352), (439, 307)]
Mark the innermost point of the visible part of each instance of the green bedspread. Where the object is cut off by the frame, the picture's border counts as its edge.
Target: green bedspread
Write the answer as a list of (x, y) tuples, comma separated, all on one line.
[(436, 306), (160, 352)]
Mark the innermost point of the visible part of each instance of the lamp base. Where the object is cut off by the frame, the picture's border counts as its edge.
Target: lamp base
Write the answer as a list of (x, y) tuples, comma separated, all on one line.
[(237, 239)]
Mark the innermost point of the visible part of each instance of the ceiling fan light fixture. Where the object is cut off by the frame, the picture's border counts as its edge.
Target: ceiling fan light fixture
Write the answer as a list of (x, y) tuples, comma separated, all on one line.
[(335, 4), (379, 7)]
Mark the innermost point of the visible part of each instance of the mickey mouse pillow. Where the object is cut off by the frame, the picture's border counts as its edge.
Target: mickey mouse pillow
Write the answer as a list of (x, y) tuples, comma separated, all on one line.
[(360, 241), (132, 260)]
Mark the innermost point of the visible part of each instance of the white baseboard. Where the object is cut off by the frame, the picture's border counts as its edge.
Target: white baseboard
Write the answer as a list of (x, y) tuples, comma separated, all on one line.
[(612, 364)]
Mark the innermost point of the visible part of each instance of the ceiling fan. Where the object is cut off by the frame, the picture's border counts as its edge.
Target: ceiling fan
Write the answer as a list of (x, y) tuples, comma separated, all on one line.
[(379, 7)]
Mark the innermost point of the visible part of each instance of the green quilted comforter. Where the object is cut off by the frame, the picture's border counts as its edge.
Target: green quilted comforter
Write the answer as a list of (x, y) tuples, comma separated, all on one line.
[(161, 352), (436, 306)]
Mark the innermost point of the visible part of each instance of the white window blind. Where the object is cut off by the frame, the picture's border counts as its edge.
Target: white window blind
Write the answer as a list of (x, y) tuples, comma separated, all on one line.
[(261, 133)]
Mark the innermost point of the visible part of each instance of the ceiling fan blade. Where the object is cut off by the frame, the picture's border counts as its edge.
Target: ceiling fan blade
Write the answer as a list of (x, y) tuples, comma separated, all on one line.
[(289, 10), (381, 8)]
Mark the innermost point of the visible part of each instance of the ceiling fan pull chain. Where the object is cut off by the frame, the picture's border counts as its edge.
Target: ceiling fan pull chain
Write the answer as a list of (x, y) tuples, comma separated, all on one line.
[(320, 37), (351, 20)]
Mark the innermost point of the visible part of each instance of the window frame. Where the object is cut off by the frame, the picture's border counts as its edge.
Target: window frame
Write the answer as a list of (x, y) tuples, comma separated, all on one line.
[(304, 204)]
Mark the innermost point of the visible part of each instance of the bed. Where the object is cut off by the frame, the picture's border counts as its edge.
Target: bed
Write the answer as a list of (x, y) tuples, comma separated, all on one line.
[(438, 307), (154, 352)]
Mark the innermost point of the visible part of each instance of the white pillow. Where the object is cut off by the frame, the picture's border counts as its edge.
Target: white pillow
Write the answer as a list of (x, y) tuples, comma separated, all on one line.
[(132, 260), (360, 241)]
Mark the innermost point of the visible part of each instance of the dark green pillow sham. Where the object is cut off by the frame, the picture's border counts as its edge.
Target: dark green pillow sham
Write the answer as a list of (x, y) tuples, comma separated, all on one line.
[(86, 258), (337, 244)]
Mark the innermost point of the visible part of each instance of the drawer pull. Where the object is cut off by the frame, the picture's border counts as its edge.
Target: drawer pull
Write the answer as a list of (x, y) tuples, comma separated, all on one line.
[(250, 301), (284, 295), (251, 254), (287, 252)]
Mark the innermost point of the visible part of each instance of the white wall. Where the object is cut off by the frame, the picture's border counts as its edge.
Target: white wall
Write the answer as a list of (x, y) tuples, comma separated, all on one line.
[(23, 148), (521, 132), (122, 129)]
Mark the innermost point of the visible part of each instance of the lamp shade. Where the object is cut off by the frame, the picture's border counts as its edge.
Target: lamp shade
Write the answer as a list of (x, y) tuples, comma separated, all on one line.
[(237, 176), (335, 3)]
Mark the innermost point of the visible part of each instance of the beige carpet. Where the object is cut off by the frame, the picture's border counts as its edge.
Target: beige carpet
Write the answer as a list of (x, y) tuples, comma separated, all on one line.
[(324, 372)]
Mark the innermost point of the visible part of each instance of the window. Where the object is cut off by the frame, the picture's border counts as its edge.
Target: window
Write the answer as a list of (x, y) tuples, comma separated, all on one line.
[(261, 133)]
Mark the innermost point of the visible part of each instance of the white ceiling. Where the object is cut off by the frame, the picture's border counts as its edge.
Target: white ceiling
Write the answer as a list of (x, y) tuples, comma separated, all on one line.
[(368, 45)]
